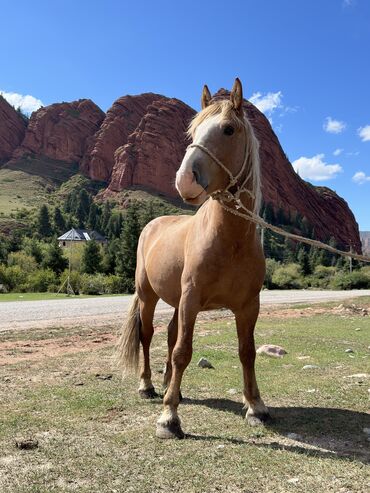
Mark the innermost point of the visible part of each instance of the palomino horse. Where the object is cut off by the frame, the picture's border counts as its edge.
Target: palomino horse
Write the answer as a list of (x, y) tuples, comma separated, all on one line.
[(203, 262)]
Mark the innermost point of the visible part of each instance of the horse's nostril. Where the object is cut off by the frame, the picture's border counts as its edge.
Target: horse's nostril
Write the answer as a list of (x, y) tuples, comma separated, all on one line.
[(196, 173)]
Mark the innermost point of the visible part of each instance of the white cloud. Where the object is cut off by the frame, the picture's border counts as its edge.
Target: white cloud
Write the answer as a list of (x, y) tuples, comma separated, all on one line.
[(337, 152), (360, 178), (27, 103), (348, 3), (333, 126), (364, 133), (315, 168), (267, 103)]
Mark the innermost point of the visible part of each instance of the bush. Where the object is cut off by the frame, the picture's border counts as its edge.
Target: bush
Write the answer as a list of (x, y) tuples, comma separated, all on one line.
[(114, 285), (40, 281), (355, 280), (13, 277), (288, 277), (74, 280), (93, 284), (322, 276), (25, 262), (271, 266)]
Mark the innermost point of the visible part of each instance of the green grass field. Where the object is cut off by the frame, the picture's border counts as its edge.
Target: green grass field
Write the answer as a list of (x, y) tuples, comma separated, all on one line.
[(96, 435)]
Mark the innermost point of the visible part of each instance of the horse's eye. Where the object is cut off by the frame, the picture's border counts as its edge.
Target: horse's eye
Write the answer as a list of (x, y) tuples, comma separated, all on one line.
[(228, 130)]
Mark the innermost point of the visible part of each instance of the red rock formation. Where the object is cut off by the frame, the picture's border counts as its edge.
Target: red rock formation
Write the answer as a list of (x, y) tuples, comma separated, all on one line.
[(12, 130), (121, 120), (155, 149), (60, 131)]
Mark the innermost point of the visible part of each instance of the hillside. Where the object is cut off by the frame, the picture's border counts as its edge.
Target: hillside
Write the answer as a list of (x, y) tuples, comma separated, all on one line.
[(138, 145)]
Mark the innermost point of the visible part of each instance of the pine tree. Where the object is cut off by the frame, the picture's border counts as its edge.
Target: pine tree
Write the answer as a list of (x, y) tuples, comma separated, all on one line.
[(54, 258), (303, 261), (93, 217), (126, 256), (91, 258), (43, 222), (59, 222)]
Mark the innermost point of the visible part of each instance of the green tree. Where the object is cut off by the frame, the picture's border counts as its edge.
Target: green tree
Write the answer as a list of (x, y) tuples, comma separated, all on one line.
[(91, 258), (92, 221), (54, 258), (59, 221), (43, 222), (126, 256), (303, 260)]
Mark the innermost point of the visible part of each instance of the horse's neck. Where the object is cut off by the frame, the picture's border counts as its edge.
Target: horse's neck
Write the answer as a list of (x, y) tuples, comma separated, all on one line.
[(233, 226)]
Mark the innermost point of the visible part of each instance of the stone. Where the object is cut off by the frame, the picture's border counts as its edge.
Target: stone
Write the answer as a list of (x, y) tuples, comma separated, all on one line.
[(232, 391), (271, 350), (12, 130), (349, 350), (27, 444), (366, 431), (294, 436), (358, 375), (293, 480), (104, 377), (204, 363), (310, 367)]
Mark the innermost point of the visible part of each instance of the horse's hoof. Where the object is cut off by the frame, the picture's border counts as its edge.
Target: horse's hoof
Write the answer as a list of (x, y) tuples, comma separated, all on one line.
[(257, 419), (170, 429), (148, 393)]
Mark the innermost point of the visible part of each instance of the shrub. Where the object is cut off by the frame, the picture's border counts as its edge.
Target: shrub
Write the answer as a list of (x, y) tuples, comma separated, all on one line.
[(114, 285), (288, 277), (353, 280), (93, 284), (271, 266), (39, 281), (322, 276), (74, 280), (25, 262), (13, 277)]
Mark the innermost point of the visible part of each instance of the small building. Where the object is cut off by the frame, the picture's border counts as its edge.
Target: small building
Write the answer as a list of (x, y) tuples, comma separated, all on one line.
[(79, 236)]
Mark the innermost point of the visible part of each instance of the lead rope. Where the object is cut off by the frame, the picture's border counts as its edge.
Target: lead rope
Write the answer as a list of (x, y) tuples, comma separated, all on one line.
[(225, 195)]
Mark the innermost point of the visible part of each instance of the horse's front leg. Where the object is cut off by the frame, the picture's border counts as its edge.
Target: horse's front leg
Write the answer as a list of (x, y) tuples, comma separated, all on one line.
[(168, 425), (246, 319)]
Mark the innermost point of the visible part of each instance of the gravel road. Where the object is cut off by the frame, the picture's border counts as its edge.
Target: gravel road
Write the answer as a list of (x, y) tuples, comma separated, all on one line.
[(110, 310)]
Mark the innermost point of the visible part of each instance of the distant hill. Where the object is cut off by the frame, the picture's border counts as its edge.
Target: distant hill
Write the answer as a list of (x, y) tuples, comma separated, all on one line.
[(138, 145), (365, 240)]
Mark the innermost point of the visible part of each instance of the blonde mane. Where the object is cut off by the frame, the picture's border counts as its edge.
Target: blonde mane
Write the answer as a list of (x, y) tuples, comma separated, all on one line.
[(226, 109)]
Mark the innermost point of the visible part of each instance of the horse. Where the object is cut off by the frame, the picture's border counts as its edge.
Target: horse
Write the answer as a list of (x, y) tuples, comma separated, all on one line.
[(207, 261)]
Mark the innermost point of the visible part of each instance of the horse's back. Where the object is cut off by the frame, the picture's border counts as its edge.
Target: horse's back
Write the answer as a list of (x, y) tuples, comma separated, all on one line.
[(160, 259)]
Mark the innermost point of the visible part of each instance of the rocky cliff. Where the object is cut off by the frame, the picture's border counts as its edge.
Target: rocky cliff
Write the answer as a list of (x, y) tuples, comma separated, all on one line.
[(12, 130), (120, 122), (61, 131)]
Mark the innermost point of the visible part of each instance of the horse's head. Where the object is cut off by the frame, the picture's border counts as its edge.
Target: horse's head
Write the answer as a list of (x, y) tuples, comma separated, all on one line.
[(220, 145)]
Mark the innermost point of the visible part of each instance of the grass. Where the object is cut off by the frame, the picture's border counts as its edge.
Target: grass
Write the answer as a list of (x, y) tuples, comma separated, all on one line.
[(97, 435), (47, 296)]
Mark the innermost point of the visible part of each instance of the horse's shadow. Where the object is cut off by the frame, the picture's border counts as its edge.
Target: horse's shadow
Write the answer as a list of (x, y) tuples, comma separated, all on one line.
[(333, 432)]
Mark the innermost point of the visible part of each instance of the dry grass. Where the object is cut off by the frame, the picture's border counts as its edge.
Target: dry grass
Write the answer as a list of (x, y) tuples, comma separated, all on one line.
[(96, 435)]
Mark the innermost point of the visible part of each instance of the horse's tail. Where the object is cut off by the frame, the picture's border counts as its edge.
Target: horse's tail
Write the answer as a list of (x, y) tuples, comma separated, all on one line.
[(129, 340)]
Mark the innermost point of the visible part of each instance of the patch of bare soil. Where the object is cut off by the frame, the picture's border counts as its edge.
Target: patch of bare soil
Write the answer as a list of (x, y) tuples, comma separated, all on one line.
[(17, 351)]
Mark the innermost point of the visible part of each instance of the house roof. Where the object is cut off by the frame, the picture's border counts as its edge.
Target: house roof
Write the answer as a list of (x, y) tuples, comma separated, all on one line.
[(81, 235)]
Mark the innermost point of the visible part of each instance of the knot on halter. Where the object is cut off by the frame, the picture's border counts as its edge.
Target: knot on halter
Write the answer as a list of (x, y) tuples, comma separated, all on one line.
[(225, 195)]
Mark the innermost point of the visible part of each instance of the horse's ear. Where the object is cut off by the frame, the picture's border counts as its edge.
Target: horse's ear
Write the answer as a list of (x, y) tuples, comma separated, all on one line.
[(206, 97), (236, 95)]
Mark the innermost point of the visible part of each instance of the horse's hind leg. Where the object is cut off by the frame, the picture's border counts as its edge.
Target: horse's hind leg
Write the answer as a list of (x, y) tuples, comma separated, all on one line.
[(245, 322), (147, 307)]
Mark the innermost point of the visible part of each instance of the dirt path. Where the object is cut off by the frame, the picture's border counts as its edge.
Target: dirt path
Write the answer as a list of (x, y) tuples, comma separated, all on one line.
[(89, 312)]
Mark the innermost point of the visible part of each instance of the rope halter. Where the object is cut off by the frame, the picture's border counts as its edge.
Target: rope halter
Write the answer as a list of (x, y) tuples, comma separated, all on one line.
[(225, 194)]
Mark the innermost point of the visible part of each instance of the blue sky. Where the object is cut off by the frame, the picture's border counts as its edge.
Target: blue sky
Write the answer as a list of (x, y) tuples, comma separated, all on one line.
[(304, 63)]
